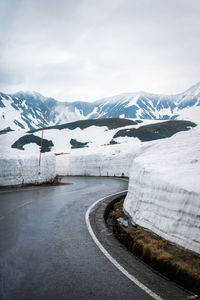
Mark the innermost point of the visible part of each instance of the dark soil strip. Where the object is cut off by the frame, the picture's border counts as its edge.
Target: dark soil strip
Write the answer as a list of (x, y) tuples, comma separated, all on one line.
[(177, 264)]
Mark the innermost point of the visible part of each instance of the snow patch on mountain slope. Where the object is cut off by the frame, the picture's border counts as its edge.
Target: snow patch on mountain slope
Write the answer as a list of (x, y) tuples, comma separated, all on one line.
[(8, 115), (164, 191), (132, 101), (95, 112)]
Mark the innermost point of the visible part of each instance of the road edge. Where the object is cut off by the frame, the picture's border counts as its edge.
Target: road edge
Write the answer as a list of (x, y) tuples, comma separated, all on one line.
[(108, 255)]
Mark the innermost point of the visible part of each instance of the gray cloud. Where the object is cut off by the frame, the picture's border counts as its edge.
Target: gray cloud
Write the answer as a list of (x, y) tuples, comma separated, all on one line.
[(88, 49)]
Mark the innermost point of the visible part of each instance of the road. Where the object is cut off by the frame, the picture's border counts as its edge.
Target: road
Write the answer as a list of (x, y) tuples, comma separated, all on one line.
[(46, 251)]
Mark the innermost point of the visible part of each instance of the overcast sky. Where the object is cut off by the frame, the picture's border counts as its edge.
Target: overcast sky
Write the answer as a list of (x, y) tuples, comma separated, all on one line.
[(89, 49)]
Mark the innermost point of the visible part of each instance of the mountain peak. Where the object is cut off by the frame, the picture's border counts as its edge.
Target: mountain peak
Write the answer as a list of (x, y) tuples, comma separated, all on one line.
[(194, 90), (31, 94)]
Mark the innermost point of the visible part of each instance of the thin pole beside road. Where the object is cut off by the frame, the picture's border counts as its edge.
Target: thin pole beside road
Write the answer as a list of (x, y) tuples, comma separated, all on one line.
[(42, 138)]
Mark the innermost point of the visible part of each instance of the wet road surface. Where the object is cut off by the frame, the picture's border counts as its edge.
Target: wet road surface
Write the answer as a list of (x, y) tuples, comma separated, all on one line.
[(46, 251)]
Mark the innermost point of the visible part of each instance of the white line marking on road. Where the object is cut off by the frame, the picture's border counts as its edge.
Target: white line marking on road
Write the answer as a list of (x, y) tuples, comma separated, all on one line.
[(111, 259)]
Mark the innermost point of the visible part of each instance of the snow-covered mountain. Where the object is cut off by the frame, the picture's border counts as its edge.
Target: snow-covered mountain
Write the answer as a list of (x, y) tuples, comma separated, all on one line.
[(25, 110)]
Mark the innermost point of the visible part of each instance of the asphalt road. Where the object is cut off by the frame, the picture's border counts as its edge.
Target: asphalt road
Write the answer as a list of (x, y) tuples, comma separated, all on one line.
[(46, 251)]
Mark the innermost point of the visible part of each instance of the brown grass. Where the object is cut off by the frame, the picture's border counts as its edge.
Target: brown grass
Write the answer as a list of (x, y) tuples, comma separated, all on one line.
[(175, 263)]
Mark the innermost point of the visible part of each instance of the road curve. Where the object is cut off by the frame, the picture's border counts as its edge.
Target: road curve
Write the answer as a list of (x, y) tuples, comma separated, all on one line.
[(46, 251)]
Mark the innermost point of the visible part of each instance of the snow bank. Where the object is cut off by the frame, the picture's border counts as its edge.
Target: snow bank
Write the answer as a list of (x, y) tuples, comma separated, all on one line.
[(164, 189), (18, 168), (102, 161)]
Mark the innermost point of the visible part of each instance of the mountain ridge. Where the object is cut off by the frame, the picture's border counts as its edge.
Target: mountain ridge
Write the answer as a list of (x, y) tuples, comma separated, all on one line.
[(25, 110), (195, 87)]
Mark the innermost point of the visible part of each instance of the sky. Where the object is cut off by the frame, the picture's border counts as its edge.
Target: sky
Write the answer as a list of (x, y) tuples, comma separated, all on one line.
[(90, 49)]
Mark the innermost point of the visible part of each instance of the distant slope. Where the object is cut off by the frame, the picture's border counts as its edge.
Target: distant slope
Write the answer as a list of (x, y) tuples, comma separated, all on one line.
[(82, 124), (156, 131), (58, 141)]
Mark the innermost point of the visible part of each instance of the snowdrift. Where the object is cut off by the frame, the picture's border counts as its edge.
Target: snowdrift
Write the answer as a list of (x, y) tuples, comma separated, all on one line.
[(19, 169), (164, 190)]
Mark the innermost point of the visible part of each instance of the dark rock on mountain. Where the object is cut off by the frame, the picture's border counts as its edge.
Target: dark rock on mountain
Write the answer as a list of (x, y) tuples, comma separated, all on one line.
[(156, 131), (111, 123), (75, 144), (30, 138)]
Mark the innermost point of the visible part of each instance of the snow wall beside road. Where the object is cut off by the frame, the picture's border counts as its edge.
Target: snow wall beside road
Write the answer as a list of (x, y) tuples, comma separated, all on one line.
[(113, 160), (164, 190), (93, 164), (19, 168), (164, 176)]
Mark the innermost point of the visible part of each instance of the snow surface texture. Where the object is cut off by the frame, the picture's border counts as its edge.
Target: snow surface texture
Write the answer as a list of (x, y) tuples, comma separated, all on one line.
[(20, 168), (107, 161), (164, 190)]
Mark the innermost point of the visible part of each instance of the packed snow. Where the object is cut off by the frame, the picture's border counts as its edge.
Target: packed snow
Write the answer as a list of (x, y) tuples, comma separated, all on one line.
[(20, 168), (164, 190), (112, 160)]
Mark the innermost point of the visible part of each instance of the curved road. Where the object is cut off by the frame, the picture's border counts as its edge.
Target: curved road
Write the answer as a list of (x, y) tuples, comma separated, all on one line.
[(46, 251)]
